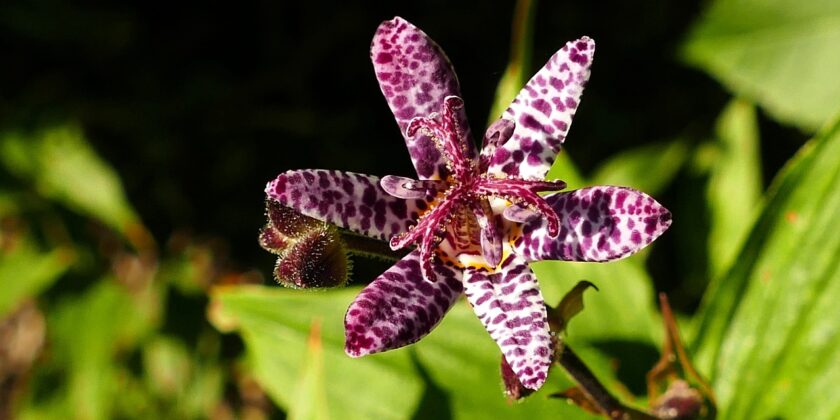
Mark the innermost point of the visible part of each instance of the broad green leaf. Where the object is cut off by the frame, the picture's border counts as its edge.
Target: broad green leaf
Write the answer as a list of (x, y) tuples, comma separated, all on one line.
[(275, 324), (26, 272), (781, 54), (734, 188), (648, 168), (769, 336), (311, 399), (64, 167), (517, 72), (621, 310)]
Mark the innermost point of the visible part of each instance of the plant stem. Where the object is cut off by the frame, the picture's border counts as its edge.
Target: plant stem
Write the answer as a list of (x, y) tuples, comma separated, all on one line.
[(370, 248), (594, 390)]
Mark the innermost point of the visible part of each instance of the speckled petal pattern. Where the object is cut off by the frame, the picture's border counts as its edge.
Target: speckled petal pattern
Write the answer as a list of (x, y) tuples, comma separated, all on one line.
[(415, 76), (349, 200), (510, 306), (543, 112), (496, 135), (399, 307), (598, 224)]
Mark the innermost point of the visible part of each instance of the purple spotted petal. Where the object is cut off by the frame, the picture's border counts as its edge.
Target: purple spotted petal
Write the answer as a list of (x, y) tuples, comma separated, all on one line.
[(353, 201), (511, 307), (415, 76), (399, 307), (543, 112), (598, 224)]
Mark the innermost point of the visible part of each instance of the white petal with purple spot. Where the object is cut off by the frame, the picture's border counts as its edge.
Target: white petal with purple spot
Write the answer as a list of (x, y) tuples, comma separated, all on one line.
[(399, 307), (510, 306), (598, 224), (543, 112), (353, 201)]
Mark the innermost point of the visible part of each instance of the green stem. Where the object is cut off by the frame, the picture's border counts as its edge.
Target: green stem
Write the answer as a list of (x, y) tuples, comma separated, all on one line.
[(521, 43), (370, 248), (594, 390)]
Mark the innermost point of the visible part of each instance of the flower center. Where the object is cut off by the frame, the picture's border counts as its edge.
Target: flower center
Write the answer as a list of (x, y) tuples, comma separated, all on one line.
[(460, 210)]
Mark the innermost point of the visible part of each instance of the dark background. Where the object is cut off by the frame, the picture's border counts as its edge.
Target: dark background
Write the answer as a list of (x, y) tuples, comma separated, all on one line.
[(197, 106)]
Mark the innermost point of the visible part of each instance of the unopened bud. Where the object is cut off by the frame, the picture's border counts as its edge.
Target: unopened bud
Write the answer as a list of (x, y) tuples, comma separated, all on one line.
[(679, 402), (288, 221), (317, 260), (311, 253), (272, 240)]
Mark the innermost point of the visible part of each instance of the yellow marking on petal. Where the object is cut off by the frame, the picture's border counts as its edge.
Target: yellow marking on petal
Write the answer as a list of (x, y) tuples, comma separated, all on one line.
[(515, 233)]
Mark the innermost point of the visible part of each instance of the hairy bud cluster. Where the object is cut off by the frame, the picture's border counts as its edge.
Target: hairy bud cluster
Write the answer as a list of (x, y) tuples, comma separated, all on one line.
[(311, 253)]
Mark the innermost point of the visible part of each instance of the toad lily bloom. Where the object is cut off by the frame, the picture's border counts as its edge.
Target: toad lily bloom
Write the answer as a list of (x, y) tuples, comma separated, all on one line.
[(475, 218)]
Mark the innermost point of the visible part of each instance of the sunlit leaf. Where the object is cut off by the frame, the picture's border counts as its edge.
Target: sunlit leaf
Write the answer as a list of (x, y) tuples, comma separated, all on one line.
[(311, 399), (782, 54), (648, 168), (64, 167), (275, 324), (25, 272), (734, 188), (621, 310), (769, 336)]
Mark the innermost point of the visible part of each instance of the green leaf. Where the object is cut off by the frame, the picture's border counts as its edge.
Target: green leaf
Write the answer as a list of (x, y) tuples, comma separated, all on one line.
[(275, 325), (769, 336), (64, 167), (622, 309), (311, 399), (734, 188), (26, 272), (781, 54), (648, 168)]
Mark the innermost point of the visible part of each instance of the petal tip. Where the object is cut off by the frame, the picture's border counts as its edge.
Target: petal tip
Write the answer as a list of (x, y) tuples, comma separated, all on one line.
[(354, 352)]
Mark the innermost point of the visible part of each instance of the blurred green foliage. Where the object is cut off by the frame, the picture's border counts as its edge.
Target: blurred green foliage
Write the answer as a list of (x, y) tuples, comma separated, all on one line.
[(777, 53), (104, 316)]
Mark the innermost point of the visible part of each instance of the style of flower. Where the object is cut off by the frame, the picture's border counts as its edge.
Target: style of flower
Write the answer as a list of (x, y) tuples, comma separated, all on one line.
[(476, 219)]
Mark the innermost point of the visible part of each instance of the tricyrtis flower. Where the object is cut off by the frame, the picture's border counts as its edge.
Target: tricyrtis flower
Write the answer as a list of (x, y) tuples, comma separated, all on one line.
[(476, 219)]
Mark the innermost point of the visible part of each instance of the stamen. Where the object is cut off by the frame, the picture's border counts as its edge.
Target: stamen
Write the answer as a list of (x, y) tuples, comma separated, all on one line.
[(447, 135), (532, 185), (491, 236), (518, 193)]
